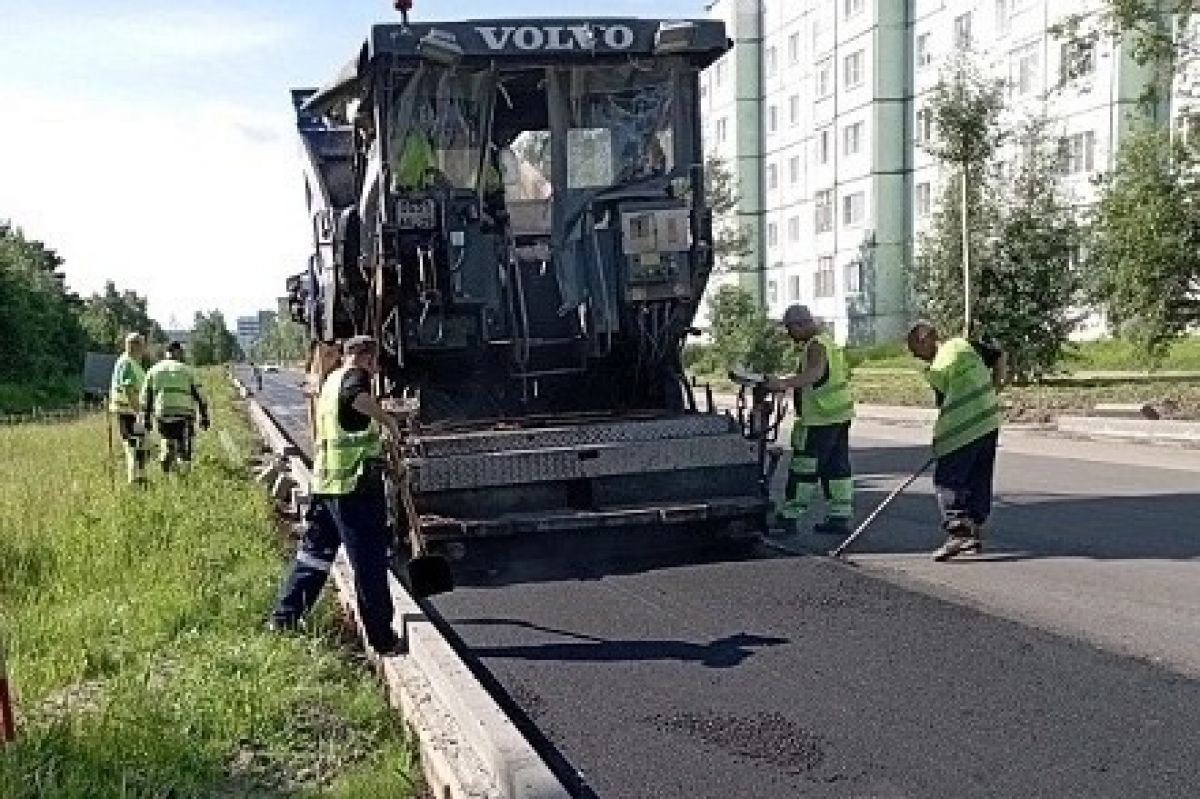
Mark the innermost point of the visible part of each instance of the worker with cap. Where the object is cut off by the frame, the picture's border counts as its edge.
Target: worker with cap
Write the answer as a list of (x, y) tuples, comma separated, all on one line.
[(965, 377), (123, 395), (171, 395), (824, 408), (349, 506)]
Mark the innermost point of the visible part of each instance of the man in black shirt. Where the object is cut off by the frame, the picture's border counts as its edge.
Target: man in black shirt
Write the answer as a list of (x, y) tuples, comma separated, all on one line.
[(348, 504)]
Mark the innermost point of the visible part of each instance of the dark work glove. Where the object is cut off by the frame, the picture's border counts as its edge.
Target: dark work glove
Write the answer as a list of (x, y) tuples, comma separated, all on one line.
[(203, 422)]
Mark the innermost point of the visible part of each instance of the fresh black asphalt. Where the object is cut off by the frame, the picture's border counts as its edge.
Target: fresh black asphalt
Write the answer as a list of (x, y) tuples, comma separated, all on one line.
[(774, 676)]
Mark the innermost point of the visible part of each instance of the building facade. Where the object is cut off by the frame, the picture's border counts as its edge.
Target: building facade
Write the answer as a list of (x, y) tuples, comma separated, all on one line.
[(821, 111)]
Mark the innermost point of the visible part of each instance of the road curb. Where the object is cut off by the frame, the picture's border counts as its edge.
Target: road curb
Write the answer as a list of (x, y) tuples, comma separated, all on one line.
[(470, 749)]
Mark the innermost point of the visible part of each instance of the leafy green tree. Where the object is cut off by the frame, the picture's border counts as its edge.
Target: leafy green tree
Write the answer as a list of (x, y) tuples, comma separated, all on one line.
[(110, 315), (743, 335), (965, 108), (283, 340), (1145, 242), (1028, 288), (40, 335), (211, 341)]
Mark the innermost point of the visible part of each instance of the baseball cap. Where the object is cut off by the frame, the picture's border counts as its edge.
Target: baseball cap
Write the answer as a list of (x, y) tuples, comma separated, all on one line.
[(356, 345), (797, 315)]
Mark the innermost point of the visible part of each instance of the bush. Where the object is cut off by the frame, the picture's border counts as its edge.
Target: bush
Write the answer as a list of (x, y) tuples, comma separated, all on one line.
[(743, 335), (46, 395)]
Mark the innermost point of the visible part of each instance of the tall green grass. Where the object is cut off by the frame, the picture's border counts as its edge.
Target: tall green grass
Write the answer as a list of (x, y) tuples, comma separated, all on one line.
[(136, 647)]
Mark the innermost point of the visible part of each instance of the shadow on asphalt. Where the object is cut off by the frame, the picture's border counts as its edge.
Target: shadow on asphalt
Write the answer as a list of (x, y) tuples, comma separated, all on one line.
[(1024, 525), (721, 653)]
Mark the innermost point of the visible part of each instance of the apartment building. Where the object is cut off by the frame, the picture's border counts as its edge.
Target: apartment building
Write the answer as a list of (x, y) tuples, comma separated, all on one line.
[(823, 115)]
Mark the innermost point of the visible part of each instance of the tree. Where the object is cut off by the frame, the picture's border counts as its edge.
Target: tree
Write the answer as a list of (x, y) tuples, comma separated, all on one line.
[(1145, 244), (282, 340), (111, 314), (743, 335), (1029, 287), (731, 239), (40, 336), (211, 341), (966, 109)]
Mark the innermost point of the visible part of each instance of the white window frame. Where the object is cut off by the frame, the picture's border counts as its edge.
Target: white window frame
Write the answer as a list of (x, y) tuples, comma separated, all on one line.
[(824, 78), (772, 119), (852, 70), (794, 110), (772, 62), (924, 51), (963, 36), (794, 228), (772, 234), (1003, 17), (824, 278), (794, 170), (1025, 69), (823, 211), (854, 207), (823, 145), (852, 138), (772, 177), (794, 48), (922, 199), (852, 277), (852, 8), (793, 283)]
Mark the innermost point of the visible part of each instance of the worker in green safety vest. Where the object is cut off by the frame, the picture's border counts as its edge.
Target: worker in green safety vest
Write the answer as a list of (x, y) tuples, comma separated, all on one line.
[(349, 503), (171, 396), (824, 408), (123, 394), (965, 377)]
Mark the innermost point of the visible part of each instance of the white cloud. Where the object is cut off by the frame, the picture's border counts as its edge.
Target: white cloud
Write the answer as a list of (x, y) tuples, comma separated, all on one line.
[(197, 208), (164, 33)]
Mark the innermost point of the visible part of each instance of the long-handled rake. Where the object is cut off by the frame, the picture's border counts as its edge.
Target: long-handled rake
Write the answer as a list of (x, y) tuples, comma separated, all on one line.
[(862, 528)]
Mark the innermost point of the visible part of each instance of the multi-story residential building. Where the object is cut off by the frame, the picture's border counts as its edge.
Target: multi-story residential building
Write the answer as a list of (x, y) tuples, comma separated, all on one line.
[(822, 112)]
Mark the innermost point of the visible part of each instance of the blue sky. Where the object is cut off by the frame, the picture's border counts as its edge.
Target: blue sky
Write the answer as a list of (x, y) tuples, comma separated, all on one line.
[(150, 142)]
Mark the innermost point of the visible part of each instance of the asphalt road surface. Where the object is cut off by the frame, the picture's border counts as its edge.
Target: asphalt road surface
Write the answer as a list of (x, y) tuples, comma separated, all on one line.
[(1060, 663)]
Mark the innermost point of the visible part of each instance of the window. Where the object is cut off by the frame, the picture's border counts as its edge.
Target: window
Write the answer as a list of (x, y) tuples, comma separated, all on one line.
[(794, 169), (962, 31), (852, 138), (823, 211), (852, 70), (720, 72), (1076, 153), (1188, 125), (818, 31), (772, 119), (854, 277), (922, 200), (794, 110), (772, 235), (852, 209), (823, 284), (1076, 60), (925, 126), (722, 130), (773, 290), (1024, 69), (824, 78), (794, 48), (772, 176), (794, 229), (772, 62), (823, 146), (1003, 17), (851, 7), (794, 288), (924, 54)]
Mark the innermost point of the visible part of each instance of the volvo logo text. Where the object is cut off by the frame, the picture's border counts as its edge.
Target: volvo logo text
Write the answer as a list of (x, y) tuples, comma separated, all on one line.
[(557, 37)]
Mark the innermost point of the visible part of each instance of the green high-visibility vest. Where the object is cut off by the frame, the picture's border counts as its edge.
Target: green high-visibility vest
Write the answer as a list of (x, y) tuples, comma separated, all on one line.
[(127, 373), (970, 409), (340, 455), (831, 402), (412, 161), (169, 388)]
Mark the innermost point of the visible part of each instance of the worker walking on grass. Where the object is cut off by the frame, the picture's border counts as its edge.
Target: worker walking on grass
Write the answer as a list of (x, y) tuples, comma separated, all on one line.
[(824, 408), (965, 377), (124, 394), (171, 395), (349, 504)]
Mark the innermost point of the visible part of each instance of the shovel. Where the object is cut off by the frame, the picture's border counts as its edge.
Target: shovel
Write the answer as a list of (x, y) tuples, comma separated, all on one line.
[(428, 574)]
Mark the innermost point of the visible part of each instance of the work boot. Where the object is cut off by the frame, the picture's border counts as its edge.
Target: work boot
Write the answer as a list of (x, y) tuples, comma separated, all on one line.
[(961, 537), (833, 526)]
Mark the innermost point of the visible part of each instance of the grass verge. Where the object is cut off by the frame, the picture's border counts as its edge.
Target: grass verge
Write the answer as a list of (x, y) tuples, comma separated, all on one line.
[(135, 639)]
